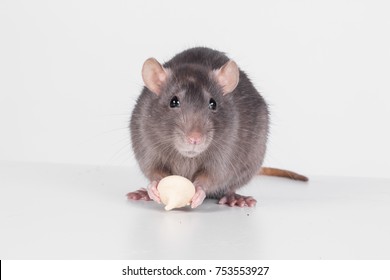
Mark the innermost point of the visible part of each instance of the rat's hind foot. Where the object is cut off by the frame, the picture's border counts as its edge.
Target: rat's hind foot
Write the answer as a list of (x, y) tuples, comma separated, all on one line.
[(151, 193), (141, 194), (237, 200)]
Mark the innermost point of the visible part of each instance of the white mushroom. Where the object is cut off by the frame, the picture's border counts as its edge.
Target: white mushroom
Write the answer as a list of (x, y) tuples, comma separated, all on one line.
[(175, 191)]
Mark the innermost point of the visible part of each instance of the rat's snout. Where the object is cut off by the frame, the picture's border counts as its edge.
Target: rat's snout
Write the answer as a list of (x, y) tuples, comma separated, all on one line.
[(193, 141), (194, 137)]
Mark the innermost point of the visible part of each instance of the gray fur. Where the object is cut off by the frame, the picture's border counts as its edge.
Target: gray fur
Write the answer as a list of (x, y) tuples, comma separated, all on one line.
[(237, 131)]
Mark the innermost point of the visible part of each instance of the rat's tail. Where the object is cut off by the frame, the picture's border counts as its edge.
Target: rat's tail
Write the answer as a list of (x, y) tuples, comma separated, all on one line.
[(269, 171)]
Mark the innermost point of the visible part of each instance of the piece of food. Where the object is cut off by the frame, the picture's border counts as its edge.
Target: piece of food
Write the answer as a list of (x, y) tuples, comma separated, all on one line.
[(175, 191)]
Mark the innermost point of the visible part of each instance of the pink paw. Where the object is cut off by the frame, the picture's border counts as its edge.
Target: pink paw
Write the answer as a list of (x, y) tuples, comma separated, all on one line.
[(198, 197), (151, 193), (141, 194), (237, 200)]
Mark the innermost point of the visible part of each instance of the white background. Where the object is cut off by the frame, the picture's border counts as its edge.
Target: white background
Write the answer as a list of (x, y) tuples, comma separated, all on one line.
[(70, 74)]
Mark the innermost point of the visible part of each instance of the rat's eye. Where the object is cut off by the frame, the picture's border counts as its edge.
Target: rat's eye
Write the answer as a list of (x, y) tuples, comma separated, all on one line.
[(175, 103), (212, 104)]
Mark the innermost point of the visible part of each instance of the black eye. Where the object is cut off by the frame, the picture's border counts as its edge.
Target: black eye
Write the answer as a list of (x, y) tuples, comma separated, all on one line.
[(212, 104), (175, 103)]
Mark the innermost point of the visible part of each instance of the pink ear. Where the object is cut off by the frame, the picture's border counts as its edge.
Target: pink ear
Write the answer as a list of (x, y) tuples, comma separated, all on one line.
[(228, 76), (154, 75)]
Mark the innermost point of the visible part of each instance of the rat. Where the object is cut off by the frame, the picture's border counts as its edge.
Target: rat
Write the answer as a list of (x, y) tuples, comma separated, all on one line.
[(199, 116)]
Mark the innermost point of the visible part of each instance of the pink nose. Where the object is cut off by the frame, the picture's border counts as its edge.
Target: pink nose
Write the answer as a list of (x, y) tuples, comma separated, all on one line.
[(194, 138)]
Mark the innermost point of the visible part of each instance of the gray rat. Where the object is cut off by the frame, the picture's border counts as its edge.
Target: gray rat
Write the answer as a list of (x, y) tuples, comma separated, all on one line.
[(200, 117)]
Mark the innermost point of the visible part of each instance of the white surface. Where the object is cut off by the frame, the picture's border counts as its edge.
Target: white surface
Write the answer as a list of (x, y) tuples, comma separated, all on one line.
[(52, 211), (70, 72)]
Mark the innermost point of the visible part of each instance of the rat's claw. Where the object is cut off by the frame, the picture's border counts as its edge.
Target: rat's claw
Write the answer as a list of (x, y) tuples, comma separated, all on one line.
[(153, 191), (198, 197)]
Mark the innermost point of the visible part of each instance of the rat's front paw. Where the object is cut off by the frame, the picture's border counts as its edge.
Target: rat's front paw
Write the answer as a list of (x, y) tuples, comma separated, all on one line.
[(198, 197), (153, 191)]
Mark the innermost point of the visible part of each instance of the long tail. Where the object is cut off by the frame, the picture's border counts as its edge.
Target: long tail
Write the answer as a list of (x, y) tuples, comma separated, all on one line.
[(269, 171)]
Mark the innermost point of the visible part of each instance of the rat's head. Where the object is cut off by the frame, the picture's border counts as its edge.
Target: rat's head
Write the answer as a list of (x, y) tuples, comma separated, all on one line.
[(192, 103)]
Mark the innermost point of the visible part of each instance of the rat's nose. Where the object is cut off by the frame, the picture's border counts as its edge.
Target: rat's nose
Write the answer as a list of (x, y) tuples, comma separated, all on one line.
[(194, 138)]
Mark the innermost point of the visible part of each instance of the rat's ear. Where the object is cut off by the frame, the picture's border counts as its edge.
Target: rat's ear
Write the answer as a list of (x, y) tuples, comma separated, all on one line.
[(228, 76), (154, 75)]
